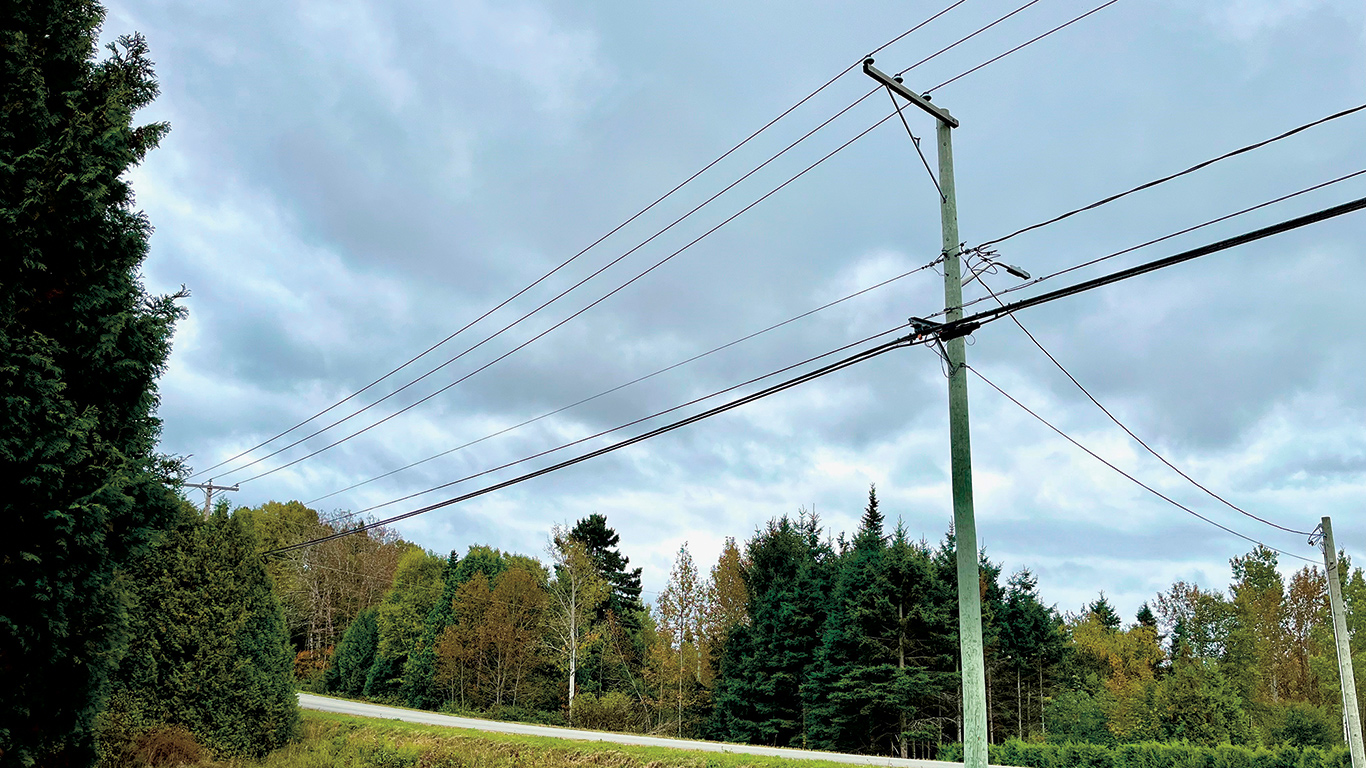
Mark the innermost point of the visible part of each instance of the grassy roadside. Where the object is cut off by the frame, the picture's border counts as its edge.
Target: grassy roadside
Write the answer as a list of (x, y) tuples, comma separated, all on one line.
[(344, 741)]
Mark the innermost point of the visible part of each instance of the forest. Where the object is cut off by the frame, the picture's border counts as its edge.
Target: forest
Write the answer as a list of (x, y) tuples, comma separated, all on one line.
[(802, 637)]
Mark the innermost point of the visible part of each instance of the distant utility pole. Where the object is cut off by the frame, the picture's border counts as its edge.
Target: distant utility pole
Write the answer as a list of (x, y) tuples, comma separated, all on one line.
[(208, 489), (1351, 715), (960, 450)]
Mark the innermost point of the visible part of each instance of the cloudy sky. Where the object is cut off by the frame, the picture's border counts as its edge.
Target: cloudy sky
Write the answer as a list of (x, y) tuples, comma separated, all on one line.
[(347, 183)]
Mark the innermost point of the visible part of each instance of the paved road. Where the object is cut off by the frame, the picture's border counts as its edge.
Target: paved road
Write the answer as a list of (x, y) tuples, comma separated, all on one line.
[(347, 707)]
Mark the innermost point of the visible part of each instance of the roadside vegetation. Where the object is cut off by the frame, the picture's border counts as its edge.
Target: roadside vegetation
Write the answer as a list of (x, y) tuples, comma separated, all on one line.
[(341, 741)]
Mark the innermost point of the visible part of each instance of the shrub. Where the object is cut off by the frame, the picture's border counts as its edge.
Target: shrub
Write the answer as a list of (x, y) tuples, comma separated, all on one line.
[(165, 746)]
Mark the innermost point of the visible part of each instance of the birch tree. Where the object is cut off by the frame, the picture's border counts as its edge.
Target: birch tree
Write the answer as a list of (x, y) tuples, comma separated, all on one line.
[(575, 594)]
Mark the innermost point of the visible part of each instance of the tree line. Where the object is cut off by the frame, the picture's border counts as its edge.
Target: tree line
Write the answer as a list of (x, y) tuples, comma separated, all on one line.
[(796, 637)]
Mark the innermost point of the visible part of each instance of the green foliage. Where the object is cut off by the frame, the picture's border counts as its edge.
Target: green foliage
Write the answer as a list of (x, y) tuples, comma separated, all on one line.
[(402, 619), (861, 694), (601, 542), (354, 656), (1198, 704), (1158, 755), (1077, 716), (212, 652), (81, 345), (759, 698), (1302, 725)]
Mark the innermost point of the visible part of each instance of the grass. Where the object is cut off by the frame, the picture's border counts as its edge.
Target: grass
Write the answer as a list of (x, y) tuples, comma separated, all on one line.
[(344, 741)]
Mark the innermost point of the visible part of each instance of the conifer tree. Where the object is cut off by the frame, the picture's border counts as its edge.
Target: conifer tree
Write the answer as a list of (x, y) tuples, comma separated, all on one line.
[(759, 698), (81, 343), (859, 693), (212, 652), (354, 656), (601, 542)]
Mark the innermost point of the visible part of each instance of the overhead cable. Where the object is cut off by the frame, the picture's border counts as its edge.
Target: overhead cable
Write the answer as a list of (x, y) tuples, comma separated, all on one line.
[(596, 302), (622, 386), (1130, 477), (1179, 174), (838, 365), (1130, 432), (619, 258), (591, 245), (1027, 43)]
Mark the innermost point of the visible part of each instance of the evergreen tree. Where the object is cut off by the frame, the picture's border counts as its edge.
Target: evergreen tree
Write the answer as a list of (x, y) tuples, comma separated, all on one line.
[(859, 692), (212, 653), (1104, 613), (1145, 617), (354, 656), (759, 697), (601, 542), (81, 344)]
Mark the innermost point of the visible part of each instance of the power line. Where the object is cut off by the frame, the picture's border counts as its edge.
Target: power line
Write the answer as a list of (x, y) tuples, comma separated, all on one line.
[(1130, 477), (1179, 174), (921, 335), (619, 258), (1130, 432), (596, 302), (1029, 42), (631, 423), (971, 322), (830, 304), (634, 381), (838, 365), (995, 295), (596, 242), (1169, 236)]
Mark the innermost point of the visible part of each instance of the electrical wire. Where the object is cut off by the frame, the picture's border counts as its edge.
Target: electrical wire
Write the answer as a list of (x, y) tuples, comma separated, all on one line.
[(826, 370), (1288, 225), (633, 250), (596, 302), (631, 423), (916, 142), (919, 338), (619, 387), (596, 242), (1027, 43), (1130, 477), (838, 301), (1130, 432), (1179, 174), (1154, 241)]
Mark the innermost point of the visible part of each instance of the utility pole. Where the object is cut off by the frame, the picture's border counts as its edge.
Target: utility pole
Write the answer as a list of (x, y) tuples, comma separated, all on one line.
[(960, 451), (1351, 715), (208, 489)]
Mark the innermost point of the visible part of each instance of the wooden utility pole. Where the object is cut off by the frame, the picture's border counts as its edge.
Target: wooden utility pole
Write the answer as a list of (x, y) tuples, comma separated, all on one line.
[(208, 489), (1351, 715), (960, 450)]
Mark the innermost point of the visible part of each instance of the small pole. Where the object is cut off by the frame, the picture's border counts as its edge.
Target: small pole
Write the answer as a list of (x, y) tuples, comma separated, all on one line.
[(1351, 715), (208, 489)]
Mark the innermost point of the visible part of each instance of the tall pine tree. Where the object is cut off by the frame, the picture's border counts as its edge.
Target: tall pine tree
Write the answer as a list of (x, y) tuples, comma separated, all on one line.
[(81, 344)]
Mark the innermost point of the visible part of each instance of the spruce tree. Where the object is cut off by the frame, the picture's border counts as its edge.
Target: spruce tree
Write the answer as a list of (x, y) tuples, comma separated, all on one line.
[(758, 698), (859, 692), (81, 344)]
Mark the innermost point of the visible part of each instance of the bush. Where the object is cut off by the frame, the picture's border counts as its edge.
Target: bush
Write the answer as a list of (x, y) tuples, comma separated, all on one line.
[(164, 746), (613, 711)]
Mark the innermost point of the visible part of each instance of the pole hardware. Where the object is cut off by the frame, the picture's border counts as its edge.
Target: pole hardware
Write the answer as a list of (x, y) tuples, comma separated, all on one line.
[(895, 84), (208, 489)]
